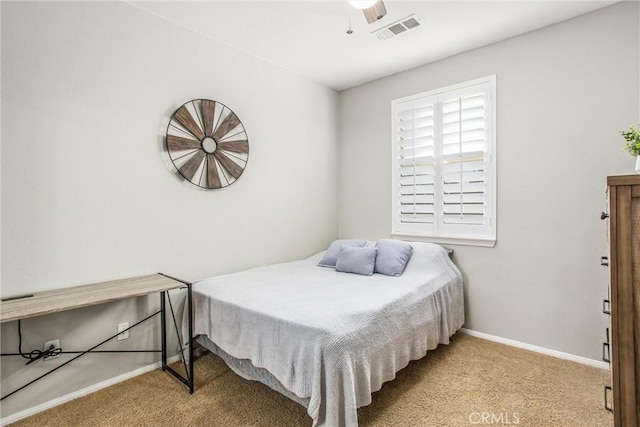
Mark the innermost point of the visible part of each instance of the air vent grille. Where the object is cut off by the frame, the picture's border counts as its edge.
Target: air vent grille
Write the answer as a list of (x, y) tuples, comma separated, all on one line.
[(401, 26)]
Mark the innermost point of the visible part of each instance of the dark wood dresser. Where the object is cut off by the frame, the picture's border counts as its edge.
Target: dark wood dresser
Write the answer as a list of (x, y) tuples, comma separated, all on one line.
[(624, 266)]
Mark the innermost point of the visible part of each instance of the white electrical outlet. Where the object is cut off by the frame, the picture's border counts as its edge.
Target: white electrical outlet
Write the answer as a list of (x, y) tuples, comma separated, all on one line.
[(47, 346), (122, 327)]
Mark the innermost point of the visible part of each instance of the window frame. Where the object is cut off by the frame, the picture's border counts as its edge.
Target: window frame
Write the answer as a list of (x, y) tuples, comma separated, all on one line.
[(488, 239)]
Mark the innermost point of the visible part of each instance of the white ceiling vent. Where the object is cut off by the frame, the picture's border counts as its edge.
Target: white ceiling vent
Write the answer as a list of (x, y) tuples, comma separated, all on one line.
[(401, 26)]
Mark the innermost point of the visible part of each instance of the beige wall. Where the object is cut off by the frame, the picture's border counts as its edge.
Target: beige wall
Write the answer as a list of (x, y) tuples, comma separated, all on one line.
[(87, 196), (563, 93)]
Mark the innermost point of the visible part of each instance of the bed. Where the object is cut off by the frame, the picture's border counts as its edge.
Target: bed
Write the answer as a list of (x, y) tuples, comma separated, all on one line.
[(328, 339)]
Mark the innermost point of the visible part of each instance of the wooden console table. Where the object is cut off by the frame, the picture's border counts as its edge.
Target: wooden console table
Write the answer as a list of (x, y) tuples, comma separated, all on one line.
[(47, 302)]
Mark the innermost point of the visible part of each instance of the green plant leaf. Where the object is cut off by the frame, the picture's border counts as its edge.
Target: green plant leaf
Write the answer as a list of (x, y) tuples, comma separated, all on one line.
[(632, 136)]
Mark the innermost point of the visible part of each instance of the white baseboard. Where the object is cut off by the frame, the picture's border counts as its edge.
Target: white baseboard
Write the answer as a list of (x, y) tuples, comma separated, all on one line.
[(83, 392), (537, 349)]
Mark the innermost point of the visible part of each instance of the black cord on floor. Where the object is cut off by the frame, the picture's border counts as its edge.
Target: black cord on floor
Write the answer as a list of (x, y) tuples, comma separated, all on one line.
[(36, 354)]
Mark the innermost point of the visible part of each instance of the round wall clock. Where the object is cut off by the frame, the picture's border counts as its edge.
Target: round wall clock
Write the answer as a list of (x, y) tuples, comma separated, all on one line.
[(207, 143)]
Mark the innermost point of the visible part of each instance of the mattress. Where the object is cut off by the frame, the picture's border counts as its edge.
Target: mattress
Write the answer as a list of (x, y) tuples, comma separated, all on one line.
[(328, 339)]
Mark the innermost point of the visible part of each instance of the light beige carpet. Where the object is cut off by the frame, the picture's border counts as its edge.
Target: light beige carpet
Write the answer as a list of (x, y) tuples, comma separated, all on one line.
[(469, 382)]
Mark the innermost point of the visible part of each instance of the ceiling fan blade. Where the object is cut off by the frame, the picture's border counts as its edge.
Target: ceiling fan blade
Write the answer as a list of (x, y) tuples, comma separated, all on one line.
[(375, 12)]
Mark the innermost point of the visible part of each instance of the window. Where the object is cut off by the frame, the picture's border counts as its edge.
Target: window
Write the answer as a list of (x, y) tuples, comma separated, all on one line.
[(443, 159)]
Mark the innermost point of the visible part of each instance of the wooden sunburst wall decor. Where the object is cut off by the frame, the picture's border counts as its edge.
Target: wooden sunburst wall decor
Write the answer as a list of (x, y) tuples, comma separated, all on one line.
[(207, 143)]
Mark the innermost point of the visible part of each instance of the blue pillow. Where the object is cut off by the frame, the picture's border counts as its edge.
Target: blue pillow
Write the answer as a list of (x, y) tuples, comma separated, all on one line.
[(393, 256), (330, 257), (358, 260)]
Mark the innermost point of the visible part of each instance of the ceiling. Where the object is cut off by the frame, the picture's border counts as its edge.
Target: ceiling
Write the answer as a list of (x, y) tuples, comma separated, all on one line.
[(309, 37)]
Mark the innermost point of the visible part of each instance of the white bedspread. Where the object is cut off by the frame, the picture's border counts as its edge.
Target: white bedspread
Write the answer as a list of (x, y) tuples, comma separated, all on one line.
[(328, 336)]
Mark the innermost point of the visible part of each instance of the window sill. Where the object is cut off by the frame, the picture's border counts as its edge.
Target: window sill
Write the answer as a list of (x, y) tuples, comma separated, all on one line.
[(485, 242)]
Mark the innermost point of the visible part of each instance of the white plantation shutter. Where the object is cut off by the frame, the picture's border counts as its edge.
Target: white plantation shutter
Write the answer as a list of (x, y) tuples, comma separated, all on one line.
[(443, 164), (417, 164)]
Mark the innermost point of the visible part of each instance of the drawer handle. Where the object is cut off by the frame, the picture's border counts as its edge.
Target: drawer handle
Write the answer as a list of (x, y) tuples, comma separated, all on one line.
[(607, 392), (606, 352), (604, 261), (606, 306)]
